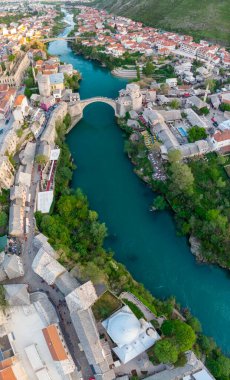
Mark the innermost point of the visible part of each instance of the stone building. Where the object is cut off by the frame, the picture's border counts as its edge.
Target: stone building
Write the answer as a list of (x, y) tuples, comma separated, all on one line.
[(6, 173), (79, 303), (44, 85), (129, 99), (16, 75)]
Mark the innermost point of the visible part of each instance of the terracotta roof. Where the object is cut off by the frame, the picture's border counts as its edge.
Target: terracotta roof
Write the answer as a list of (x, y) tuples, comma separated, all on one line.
[(222, 136), (6, 363), (54, 343), (19, 99), (6, 97), (7, 374)]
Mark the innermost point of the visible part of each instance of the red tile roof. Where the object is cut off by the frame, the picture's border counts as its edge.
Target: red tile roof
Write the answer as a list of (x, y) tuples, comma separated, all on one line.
[(222, 136), (54, 343), (7, 374)]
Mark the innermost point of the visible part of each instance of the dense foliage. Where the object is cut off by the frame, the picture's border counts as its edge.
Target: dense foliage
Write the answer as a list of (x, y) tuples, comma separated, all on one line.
[(4, 211), (196, 133), (31, 86), (78, 236), (59, 24), (98, 54), (199, 193), (72, 81), (148, 69)]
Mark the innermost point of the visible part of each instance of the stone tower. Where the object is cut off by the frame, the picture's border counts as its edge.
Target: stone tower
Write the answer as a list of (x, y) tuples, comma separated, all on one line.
[(44, 85), (133, 91)]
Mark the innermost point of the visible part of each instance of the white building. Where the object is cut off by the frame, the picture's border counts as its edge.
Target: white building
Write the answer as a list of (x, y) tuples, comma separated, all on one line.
[(131, 335), (172, 82)]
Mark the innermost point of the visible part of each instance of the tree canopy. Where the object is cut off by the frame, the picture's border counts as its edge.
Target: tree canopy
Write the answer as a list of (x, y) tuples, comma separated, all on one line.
[(166, 351), (148, 69), (182, 179), (174, 104), (220, 367), (181, 332), (3, 219), (41, 159), (196, 133)]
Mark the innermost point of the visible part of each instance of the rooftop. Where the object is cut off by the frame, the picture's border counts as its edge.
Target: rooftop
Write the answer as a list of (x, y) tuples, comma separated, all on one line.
[(54, 343)]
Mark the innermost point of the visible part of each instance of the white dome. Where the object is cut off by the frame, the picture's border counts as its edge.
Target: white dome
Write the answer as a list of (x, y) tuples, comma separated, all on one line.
[(123, 328)]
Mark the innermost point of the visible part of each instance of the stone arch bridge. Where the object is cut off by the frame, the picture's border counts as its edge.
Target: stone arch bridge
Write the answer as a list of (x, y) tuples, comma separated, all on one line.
[(76, 109), (100, 99), (51, 39)]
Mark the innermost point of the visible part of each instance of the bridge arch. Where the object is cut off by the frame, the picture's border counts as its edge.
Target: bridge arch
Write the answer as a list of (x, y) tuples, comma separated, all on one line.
[(99, 99)]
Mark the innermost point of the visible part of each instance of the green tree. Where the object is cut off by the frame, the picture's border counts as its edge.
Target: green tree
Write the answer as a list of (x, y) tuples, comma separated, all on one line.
[(160, 203), (41, 159), (65, 173), (11, 57), (219, 367), (194, 323), (3, 219), (3, 65), (174, 104), (181, 332), (19, 132), (156, 147), (204, 111), (148, 69), (174, 156), (225, 107), (67, 120), (164, 88), (165, 351), (182, 179), (138, 73), (211, 83), (206, 344), (196, 133), (90, 271)]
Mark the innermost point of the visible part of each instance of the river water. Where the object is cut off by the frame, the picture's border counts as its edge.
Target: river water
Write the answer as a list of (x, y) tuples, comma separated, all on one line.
[(145, 242)]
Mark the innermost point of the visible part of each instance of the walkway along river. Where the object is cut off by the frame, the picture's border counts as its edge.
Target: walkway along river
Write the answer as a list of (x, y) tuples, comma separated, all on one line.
[(145, 242)]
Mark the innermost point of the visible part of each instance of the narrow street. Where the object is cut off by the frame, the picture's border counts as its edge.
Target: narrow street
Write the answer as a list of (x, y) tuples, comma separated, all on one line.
[(35, 283)]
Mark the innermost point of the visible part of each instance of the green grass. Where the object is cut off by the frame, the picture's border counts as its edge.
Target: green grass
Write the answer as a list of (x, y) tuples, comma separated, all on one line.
[(135, 309), (207, 19), (106, 305)]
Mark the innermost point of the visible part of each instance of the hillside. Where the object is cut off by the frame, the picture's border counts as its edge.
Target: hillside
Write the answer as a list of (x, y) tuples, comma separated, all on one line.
[(208, 19)]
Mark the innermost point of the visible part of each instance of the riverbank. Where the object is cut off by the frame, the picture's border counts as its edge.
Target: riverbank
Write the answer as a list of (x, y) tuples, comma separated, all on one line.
[(98, 54), (76, 233), (196, 192), (59, 25), (146, 242)]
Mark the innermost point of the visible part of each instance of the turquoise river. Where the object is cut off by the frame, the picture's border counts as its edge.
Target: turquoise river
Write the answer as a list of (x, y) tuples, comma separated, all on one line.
[(145, 242)]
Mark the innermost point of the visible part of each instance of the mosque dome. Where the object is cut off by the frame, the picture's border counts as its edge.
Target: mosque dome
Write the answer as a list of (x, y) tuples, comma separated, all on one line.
[(124, 328)]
